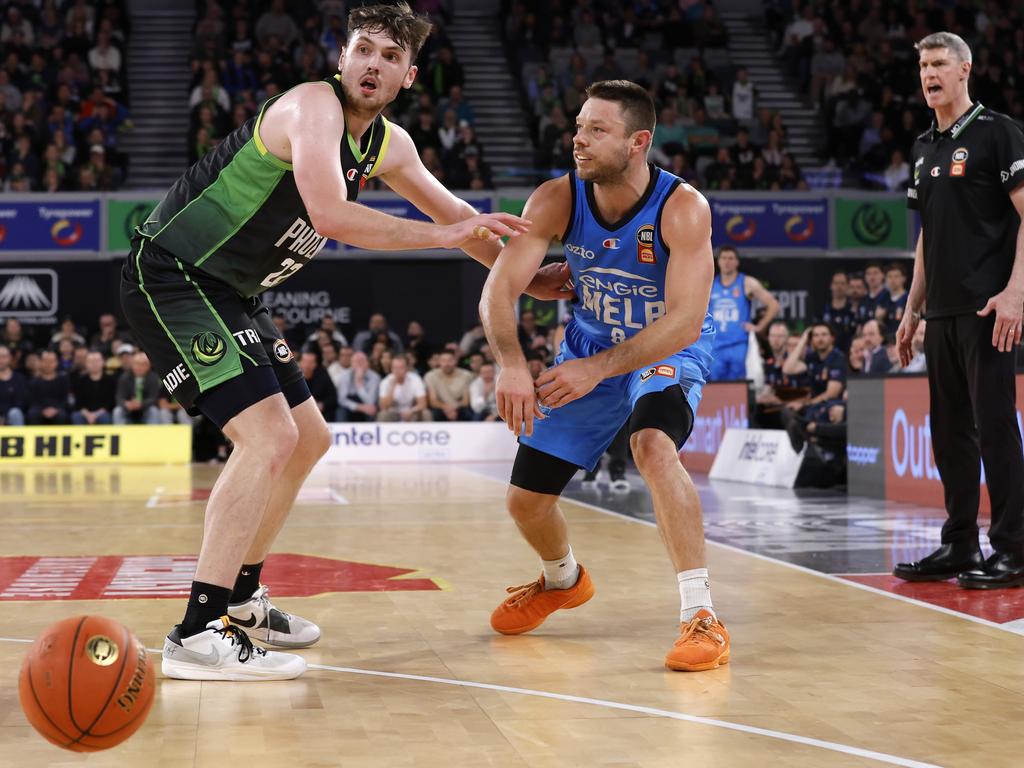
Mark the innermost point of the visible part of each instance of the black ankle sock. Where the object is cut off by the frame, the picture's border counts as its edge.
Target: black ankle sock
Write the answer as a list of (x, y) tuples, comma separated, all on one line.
[(248, 581), (206, 603)]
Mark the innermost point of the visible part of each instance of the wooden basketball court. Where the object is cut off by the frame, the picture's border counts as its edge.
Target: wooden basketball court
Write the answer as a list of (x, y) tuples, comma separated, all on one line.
[(402, 565)]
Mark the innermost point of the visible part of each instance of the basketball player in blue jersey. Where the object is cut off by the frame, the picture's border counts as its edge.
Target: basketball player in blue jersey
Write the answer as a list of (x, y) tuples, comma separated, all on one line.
[(731, 301), (637, 351)]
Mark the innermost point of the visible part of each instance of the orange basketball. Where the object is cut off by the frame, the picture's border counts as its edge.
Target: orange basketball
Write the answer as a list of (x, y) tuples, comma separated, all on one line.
[(87, 683)]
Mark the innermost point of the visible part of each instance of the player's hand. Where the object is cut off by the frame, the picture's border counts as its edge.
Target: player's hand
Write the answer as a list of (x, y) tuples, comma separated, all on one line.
[(1009, 308), (567, 382), (904, 335), (517, 400), (485, 227), (748, 327), (552, 282)]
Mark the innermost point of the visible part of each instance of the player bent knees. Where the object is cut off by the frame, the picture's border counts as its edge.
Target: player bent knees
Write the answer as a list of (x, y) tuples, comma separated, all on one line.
[(653, 451), (314, 441), (528, 507)]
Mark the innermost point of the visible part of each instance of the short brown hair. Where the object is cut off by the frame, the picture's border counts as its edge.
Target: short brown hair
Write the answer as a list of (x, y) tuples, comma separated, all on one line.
[(396, 20), (636, 103)]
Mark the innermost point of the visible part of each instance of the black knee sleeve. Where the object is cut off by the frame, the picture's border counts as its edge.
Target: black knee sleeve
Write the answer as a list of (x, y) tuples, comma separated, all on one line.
[(666, 410), (541, 472)]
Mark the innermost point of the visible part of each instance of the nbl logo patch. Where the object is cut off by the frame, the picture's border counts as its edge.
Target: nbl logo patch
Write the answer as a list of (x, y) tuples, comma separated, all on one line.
[(668, 371), (282, 351), (645, 244), (208, 348), (959, 165)]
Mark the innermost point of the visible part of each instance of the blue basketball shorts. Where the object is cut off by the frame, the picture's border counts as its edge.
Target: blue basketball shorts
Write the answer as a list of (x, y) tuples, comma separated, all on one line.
[(581, 431)]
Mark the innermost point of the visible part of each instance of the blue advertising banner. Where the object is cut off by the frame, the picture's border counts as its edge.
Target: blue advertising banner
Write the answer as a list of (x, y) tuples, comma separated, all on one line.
[(72, 225), (760, 223)]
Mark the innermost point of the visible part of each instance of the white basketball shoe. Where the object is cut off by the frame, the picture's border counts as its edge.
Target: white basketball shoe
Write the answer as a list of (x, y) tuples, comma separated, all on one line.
[(258, 617), (224, 652)]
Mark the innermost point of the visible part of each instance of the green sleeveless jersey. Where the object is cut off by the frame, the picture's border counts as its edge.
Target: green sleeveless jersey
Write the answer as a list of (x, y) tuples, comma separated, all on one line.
[(237, 216)]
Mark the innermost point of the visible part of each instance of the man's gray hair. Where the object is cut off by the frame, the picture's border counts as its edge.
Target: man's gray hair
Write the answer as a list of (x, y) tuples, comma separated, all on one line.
[(954, 43)]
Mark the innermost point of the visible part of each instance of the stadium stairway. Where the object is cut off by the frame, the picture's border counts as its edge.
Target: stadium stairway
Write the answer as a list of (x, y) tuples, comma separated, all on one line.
[(158, 78), (499, 120), (750, 47)]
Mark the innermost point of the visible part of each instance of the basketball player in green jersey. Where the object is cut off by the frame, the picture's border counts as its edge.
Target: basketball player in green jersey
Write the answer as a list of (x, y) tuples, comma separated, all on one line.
[(243, 219)]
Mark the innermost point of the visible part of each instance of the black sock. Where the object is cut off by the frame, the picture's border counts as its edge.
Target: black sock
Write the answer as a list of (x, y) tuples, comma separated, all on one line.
[(248, 581), (206, 603)]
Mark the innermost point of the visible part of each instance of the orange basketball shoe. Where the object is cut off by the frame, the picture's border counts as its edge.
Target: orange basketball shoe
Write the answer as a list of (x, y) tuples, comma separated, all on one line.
[(530, 604), (704, 644)]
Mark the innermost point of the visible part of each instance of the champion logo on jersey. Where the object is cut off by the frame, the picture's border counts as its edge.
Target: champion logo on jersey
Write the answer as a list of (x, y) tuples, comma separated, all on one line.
[(611, 243), (645, 245), (350, 174)]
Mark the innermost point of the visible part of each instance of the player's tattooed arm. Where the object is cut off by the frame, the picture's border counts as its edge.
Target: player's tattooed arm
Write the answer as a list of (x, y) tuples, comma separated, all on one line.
[(548, 210)]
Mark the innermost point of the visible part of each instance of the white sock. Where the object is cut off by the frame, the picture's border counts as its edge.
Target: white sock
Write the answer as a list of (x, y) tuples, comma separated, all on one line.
[(561, 573), (694, 593)]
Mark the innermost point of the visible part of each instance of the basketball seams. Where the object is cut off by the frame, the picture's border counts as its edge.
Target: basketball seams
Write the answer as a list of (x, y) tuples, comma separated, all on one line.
[(113, 689), (71, 679), (40, 707)]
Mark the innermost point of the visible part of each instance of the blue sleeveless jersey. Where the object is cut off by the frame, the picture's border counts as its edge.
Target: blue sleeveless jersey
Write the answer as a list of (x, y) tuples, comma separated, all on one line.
[(730, 308), (618, 268)]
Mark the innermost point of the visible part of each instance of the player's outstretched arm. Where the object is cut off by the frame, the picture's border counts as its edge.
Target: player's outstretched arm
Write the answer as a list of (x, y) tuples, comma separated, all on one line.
[(686, 229), (548, 210), (403, 171), (312, 125)]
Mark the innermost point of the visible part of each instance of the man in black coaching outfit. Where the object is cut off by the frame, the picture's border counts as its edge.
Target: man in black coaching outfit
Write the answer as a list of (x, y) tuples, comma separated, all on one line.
[(968, 281)]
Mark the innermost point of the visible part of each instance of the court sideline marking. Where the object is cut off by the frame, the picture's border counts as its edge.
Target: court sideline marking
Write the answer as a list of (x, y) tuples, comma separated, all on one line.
[(831, 746)]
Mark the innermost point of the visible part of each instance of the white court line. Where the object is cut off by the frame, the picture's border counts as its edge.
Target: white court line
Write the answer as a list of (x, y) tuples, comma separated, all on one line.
[(831, 746), (155, 498), (1008, 627), (336, 497)]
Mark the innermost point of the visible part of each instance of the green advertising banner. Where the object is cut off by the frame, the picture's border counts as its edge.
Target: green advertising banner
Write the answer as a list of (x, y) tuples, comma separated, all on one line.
[(123, 216), (867, 224), (513, 205)]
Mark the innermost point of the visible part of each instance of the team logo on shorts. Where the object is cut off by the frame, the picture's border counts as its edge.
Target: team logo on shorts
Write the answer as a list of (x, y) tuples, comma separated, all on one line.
[(208, 348), (645, 244), (282, 351), (668, 371)]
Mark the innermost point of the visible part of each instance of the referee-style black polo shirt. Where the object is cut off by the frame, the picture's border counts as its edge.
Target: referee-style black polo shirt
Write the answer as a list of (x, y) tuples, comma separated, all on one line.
[(962, 180)]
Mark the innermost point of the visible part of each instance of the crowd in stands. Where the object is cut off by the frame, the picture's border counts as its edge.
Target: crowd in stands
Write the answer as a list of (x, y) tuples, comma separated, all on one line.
[(69, 377), (710, 129), (856, 61), (62, 95), (246, 52)]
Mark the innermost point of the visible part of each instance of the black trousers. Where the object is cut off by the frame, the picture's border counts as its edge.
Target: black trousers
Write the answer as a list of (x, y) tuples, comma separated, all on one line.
[(974, 419)]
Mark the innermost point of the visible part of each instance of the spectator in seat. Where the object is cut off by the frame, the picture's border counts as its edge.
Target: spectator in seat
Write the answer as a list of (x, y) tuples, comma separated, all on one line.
[(824, 366), (874, 276), (48, 392), (359, 390), (403, 396), (876, 357), (329, 324), (277, 23), (838, 313), (482, 394), (378, 326), (320, 386), (13, 392), (137, 392), (767, 399), (448, 390), (894, 300), (171, 411), (94, 393), (917, 363)]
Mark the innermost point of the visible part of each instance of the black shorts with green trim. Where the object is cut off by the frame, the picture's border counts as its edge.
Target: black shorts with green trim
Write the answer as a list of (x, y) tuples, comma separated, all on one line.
[(198, 331)]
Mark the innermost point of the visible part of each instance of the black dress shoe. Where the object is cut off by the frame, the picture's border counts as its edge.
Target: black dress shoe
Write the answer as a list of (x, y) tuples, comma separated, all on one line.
[(947, 561), (1000, 570)]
